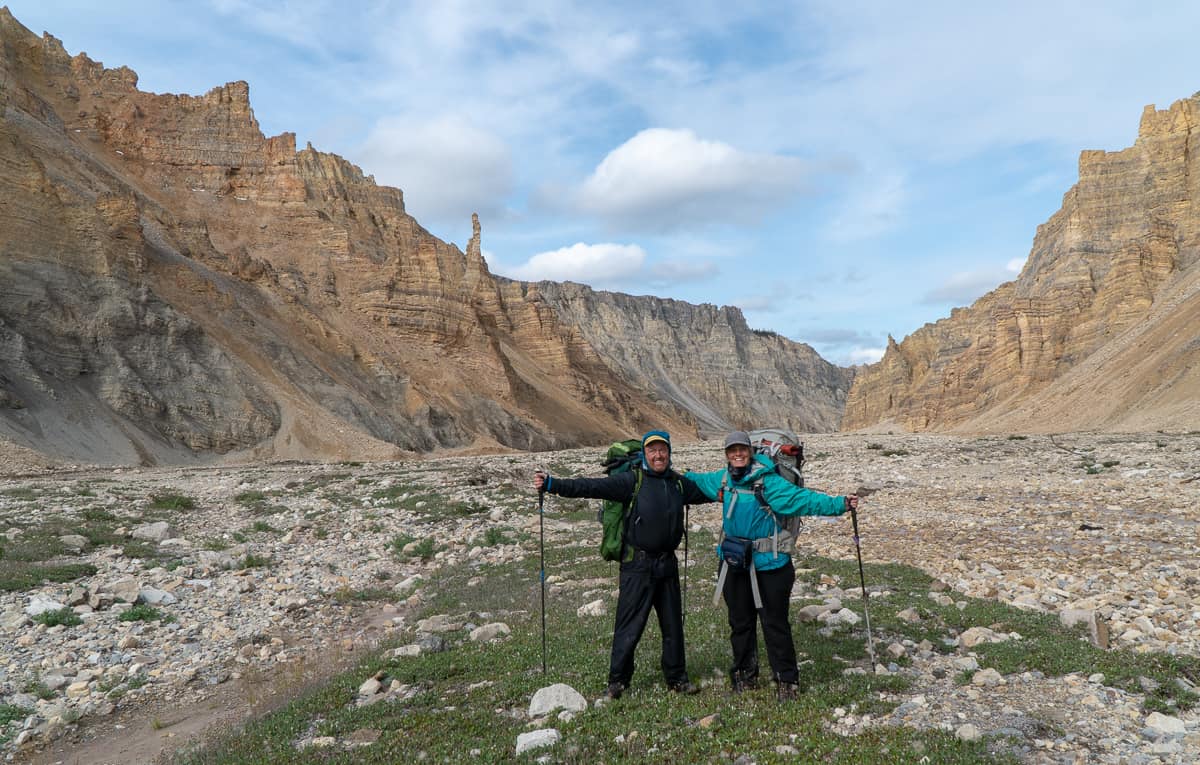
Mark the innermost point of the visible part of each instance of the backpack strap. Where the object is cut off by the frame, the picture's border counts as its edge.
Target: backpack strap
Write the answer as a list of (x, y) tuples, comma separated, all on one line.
[(633, 498)]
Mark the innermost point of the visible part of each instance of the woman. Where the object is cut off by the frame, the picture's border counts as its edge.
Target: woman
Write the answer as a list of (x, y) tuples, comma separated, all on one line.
[(756, 563)]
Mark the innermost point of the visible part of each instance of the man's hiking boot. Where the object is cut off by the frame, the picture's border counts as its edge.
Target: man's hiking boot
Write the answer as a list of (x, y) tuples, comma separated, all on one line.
[(742, 682), (686, 687), (615, 690), (787, 691)]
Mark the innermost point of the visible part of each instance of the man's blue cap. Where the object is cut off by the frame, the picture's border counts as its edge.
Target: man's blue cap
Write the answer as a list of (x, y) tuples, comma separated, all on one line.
[(656, 435)]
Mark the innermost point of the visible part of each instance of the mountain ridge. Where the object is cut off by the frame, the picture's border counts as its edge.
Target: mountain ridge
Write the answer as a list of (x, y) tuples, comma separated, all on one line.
[(186, 288)]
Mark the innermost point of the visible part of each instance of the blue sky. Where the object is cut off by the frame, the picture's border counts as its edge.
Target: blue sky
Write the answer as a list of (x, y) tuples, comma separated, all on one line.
[(840, 170)]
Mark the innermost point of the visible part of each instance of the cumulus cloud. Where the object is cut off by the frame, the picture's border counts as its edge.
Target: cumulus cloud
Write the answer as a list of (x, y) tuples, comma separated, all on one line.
[(447, 167), (662, 179), (593, 264)]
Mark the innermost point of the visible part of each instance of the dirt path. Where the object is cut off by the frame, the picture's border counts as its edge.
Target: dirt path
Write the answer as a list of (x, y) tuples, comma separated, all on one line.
[(151, 732)]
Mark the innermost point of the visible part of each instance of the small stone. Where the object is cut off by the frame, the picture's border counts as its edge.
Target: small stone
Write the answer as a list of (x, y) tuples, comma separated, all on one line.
[(40, 604), (154, 532), (1165, 724), (988, 678), (968, 732), (595, 608), (490, 632), (557, 696), (535, 739)]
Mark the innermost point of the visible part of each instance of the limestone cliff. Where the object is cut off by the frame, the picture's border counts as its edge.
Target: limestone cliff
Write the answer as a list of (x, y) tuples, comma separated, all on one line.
[(178, 285), (1099, 329)]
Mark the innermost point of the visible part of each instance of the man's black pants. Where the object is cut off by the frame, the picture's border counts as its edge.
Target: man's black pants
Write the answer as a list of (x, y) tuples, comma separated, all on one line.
[(648, 582), (775, 588)]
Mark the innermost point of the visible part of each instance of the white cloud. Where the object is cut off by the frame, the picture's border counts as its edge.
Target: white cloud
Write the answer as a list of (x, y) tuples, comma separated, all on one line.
[(663, 179), (585, 263), (965, 287), (447, 167), (1015, 265)]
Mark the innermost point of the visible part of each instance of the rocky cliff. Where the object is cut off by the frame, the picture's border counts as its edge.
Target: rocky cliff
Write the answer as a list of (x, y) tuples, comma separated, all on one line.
[(178, 285), (1099, 331)]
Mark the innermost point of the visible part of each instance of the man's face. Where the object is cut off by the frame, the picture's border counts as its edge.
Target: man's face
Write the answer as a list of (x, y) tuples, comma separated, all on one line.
[(738, 455), (658, 455)]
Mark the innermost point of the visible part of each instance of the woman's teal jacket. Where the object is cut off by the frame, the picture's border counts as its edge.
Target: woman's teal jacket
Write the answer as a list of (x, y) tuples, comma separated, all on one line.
[(744, 517)]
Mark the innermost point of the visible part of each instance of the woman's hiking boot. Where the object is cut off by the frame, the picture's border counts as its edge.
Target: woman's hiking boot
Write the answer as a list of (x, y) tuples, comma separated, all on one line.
[(743, 682), (787, 691)]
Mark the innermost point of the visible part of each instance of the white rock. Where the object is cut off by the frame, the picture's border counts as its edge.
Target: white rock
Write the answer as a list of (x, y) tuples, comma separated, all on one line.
[(976, 635), (489, 632), (968, 732), (536, 739), (988, 678), (557, 696), (1165, 724), (595, 608), (154, 532), (156, 597), (40, 604)]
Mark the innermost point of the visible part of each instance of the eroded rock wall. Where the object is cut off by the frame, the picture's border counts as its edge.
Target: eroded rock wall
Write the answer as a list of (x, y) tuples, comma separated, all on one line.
[(179, 285), (1126, 237)]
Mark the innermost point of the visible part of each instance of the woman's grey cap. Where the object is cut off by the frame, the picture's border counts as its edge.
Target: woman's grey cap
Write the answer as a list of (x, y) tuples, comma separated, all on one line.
[(737, 437)]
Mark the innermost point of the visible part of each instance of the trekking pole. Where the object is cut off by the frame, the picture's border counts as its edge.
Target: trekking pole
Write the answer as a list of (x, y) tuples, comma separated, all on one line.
[(542, 555), (863, 580), (685, 560)]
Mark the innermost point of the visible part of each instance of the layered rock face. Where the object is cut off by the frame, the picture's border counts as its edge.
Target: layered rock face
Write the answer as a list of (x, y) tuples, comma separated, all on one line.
[(1098, 331), (704, 361), (177, 285)]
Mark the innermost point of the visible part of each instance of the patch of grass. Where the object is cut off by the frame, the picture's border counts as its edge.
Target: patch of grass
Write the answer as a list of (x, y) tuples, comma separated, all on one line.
[(895, 452), (875, 447), (364, 595), (37, 688), (97, 515), (399, 542), (250, 498), (466, 509), (253, 560), (11, 713), (172, 501), (63, 616), (495, 536), (27, 493), (263, 527), (16, 576), (425, 549), (451, 711), (142, 612)]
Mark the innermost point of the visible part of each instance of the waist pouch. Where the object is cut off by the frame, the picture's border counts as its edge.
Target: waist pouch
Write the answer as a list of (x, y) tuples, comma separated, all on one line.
[(738, 553)]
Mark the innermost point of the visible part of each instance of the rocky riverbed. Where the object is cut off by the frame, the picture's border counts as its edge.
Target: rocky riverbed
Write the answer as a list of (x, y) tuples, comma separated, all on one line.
[(194, 580)]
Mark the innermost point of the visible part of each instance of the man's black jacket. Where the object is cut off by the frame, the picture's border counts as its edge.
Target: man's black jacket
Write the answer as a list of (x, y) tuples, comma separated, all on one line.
[(656, 521)]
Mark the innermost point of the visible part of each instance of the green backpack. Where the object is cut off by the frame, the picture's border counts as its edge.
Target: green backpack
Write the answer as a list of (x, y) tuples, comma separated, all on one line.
[(621, 457)]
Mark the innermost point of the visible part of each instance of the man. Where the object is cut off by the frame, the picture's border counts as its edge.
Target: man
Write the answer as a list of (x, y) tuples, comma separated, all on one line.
[(649, 570), (753, 495)]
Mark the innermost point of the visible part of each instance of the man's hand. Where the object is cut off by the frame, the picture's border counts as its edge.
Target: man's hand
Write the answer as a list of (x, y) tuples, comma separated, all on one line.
[(539, 480)]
